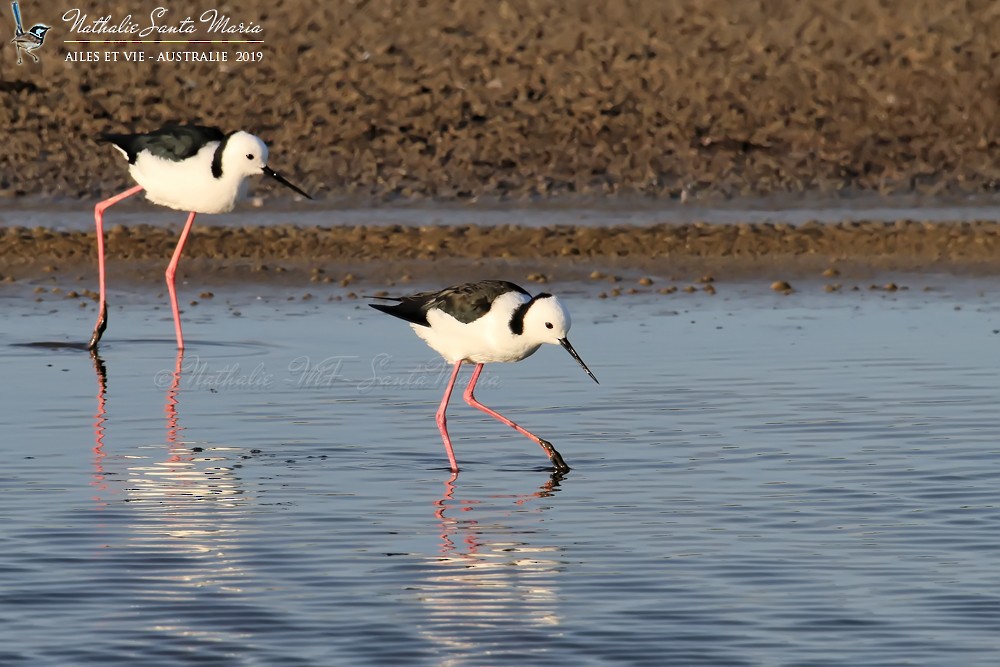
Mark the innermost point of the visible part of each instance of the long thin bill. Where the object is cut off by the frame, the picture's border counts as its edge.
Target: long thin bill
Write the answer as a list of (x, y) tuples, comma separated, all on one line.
[(281, 179), (569, 348)]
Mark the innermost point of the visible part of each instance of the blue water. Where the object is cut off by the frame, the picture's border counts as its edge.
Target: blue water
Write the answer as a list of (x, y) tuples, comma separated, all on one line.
[(757, 480)]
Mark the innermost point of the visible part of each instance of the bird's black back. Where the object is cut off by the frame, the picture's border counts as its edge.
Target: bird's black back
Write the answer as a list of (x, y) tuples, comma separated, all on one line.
[(466, 302), (170, 142)]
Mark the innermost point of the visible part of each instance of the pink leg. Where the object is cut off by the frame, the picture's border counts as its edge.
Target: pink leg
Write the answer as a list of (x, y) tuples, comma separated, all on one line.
[(171, 270), (102, 309), (442, 419), (550, 451)]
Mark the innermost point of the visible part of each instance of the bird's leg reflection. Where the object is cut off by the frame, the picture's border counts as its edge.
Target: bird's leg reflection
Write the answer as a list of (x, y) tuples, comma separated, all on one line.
[(450, 525), (495, 571), (99, 418), (470, 526), (185, 509), (547, 490), (170, 406)]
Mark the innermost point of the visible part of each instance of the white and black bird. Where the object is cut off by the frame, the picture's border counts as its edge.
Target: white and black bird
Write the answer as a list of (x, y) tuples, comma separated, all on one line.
[(188, 168), (480, 323)]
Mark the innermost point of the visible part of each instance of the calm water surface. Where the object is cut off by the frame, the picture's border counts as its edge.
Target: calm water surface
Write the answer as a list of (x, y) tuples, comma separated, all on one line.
[(785, 208), (757, 480)]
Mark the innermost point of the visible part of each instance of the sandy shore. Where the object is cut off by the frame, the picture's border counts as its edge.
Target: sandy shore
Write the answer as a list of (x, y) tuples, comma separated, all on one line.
[(392, 254), (523, 99), (535, 100)]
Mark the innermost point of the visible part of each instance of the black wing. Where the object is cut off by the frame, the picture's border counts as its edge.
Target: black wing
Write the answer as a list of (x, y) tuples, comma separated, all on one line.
[(170, 142), (466, 302)]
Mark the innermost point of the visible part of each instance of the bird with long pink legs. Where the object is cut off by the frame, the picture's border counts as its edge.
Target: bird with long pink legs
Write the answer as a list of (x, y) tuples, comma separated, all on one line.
[(190, 168), (480, 323)]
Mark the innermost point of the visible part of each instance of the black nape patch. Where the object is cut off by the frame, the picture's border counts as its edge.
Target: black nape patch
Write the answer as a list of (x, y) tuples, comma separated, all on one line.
[(517, 317), (217, 158)]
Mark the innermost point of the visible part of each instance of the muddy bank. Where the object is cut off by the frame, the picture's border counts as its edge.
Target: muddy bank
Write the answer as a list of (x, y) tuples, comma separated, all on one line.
[(390, 254), (544, 98)]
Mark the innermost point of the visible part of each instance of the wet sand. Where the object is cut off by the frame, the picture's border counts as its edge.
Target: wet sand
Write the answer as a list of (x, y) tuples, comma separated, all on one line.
[(532, 99), (290, 255)]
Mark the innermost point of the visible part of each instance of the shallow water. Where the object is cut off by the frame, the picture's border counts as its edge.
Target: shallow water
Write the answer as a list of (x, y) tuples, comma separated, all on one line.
[(758, 479), (73, 215)]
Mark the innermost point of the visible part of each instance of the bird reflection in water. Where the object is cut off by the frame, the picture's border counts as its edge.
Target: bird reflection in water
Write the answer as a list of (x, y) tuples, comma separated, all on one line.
[(100, 479), (170, 405), (493, 571), (182, 519), (190, 490)]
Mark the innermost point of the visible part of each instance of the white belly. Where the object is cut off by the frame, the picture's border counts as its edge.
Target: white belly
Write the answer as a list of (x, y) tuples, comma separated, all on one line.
[(487, 340), (187, 185)]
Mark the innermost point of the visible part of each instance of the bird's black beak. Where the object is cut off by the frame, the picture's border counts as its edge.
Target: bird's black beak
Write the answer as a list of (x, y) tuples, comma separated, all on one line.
[(569, 348), (281, 179)]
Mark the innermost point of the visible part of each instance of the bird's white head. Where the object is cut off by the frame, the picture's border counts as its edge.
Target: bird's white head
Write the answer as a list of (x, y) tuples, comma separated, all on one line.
[(246, 155), (546, 320)]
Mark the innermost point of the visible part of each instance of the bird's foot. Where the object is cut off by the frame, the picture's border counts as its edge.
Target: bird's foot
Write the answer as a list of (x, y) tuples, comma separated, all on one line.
[(102, 324), (557, 460)]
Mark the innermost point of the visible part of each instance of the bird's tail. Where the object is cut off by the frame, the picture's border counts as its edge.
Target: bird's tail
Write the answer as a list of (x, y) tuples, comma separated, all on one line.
[(401, 311), (17, 18), (385, 308)]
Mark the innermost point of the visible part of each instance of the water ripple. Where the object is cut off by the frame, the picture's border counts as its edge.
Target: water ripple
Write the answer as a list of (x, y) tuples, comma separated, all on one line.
[(787, 483)]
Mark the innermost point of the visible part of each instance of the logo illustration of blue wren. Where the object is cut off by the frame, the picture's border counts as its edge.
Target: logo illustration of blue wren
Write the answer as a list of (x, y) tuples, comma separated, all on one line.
[(29, 41)]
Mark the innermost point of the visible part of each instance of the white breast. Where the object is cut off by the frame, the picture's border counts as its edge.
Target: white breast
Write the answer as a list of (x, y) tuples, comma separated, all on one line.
[(486, 340), (187, 185)]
